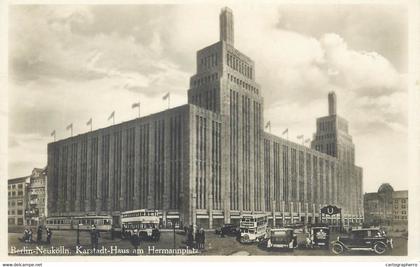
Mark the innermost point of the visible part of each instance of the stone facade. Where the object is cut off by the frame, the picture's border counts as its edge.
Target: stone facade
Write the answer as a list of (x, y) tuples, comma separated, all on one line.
[(206, 162), (386, 206), (27, 199)]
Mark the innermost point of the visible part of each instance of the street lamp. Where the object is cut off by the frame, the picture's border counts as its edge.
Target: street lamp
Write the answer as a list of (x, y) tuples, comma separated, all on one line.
[(78, 234)]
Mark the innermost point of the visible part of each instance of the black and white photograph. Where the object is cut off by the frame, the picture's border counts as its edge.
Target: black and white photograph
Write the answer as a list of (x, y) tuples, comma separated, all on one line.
[(209, 129)]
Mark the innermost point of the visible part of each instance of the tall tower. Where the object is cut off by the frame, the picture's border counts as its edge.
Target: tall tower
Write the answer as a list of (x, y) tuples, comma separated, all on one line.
[(332, 103), (226, 26), (332, 137), (225, 84)]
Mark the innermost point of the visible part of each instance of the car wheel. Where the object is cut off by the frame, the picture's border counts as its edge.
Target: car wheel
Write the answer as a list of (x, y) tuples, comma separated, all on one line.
[(337, 249), (379, 248)]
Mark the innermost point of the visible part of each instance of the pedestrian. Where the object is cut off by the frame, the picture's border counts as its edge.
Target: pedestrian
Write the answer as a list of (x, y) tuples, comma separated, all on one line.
[(197, 238), (202, 238), (25, 235), (39, 235), (112, 232), (94, 237), (189, 237), (49, 234), (30, 235), (135, 239), (222, 232)]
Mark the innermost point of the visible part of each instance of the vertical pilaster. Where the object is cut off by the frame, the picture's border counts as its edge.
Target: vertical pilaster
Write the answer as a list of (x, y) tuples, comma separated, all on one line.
[(123, 170), (78, 177), (111, 188), (88, 195), (136, 198), (99, 181)]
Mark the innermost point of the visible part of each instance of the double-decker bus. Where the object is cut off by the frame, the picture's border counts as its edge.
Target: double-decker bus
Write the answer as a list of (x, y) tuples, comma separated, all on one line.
[(144, 222), (101, 222), (253, 227)]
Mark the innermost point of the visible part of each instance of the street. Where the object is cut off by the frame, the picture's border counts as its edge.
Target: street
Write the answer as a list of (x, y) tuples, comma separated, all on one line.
[(64, 243)]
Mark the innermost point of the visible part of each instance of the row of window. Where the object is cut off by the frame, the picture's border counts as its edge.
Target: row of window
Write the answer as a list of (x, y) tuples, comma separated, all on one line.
[(400, 217), (15, 212), (13, 186), (12, 194), (12, 221), (209, 61), (398, 200), (237, 64), (243, 84), (13, 203), (206, 79), (325, 136)]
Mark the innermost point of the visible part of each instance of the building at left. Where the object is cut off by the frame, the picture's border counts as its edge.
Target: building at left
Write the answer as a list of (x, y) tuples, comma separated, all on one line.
[(27, 199)]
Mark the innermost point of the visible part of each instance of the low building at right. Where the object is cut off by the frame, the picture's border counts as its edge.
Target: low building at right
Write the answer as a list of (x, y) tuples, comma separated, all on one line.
[(386, 207)]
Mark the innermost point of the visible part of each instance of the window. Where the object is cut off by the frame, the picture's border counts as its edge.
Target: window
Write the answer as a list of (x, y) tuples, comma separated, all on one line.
[(20, 221), (20, 186), (403, 201), (19, 212)]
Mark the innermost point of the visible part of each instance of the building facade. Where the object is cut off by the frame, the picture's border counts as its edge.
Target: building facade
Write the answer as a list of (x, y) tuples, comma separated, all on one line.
[(27, 199), (386, 206), (36, 211), (206, 162), (17, 200)]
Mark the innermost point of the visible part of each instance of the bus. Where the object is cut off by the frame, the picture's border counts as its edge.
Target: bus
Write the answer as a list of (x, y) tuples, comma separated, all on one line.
[(144, 221), (101, 222), (253, 227)]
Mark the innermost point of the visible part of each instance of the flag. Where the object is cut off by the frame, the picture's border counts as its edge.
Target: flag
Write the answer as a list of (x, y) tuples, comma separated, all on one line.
[(165, 96), (285, 131), (307, 140), (53, 133), (135, 105), (268, 124), (70, 126), (89, 122), (112, 115), (300, 136)]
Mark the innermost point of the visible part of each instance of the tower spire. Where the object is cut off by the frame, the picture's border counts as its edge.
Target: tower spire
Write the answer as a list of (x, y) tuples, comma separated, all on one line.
[(226, 26), (332, 103)]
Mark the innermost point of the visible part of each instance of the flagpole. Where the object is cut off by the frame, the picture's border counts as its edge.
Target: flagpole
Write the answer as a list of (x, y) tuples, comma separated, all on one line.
[(91, 122), (139, 109), (169, 100)]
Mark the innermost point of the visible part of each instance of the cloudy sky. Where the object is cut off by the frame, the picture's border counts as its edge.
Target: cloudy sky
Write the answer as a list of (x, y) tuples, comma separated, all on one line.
[(70, 63)]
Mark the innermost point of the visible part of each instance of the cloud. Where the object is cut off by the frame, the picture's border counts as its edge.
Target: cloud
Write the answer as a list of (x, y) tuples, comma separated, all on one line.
[(71, 63)]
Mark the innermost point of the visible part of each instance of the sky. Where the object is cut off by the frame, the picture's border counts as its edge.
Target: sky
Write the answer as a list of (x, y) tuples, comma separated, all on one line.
[(68, 64)]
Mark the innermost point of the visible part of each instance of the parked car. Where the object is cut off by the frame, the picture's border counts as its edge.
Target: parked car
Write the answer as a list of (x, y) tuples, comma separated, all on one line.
[(320, 236), (371, 239), (228, 229), (280, 238)]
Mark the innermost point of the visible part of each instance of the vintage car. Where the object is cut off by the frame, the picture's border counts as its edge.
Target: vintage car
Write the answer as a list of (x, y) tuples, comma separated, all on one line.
[(280, 238), (368, 239), (320, 236), (228, 229)]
